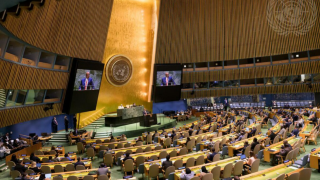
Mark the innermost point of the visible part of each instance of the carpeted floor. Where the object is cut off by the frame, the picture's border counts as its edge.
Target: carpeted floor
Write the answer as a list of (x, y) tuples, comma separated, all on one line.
[(116, 173)]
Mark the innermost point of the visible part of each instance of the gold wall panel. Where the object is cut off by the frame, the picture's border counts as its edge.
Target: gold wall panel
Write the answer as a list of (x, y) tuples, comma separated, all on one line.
[(130, 34), (15, 76), (215, 30), (75, 28)]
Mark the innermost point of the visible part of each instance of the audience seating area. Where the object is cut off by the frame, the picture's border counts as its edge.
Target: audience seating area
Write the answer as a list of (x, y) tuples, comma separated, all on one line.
[(217, 146)]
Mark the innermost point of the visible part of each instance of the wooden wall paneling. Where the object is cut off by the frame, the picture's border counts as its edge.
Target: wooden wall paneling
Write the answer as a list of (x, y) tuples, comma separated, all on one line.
[(184, 95), (185, 77), (238, 29), (315, 66), (228, 92), (206, 76), (64, 28), (12, 76), (260, 72), (4, 73)]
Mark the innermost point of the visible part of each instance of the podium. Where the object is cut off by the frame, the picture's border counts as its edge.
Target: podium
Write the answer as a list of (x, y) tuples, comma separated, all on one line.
[(148, 120)]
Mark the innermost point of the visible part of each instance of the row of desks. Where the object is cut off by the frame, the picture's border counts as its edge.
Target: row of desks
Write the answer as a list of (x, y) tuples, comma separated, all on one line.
[(72, 156), (275, 148), (80, 174), (184, 159), (87, 164)]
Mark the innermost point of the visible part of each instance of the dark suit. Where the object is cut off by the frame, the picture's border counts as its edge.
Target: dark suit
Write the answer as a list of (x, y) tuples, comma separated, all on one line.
[(126, 158), (20, 168), (35, 158), (295, 132), (74, 123), (166, 164), (75, 133), (190, 132), (225, 105), (66, 124), (78, 163), (90, 85), (54, 126), (253, 145), (211, 156), (145, 113), (170, 80), (252, 133), (272, 136), (6, 138)]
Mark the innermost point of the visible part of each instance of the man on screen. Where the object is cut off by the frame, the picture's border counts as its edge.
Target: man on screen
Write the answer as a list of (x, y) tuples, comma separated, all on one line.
[(167, 81), (86, 83)]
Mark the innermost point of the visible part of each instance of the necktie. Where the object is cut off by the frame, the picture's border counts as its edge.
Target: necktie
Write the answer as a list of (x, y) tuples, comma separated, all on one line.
[(86, 84), (167, 81)]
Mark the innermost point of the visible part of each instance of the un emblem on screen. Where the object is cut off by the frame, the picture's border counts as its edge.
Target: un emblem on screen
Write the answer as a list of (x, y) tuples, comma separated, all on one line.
[(291, 16), (119, 70)]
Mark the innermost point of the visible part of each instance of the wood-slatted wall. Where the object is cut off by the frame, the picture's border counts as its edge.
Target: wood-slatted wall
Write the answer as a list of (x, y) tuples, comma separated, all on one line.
[(75, 28), (214, 30), (311, 67), (294, 88), (15, 76), (17, 115)]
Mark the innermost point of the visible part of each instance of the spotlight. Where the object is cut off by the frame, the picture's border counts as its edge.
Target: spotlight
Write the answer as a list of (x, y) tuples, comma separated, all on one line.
[(185, 66), (3, 15), (26, 5), (38, 2), (15, 10), (297, 55), (216, 64), (258, 60)]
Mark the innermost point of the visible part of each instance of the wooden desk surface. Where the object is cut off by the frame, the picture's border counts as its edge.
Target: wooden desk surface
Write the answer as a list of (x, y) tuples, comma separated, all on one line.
[(206, 127), (80, 174), (27, 151), (276, 128), (187, 126), (45, 138), (272, 173), (151, 153), (306, 130), (184, 140), (60, 150), (132, 142), (209, 166), (87, 163), (276, 148), (184, 159), (134, 149), (314, 157), (240, 144), (72, 156)]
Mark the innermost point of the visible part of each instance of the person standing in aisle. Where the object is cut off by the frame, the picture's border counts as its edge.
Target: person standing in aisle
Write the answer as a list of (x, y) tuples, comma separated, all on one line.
[(74, 122), (66, 123), (54, 125)]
